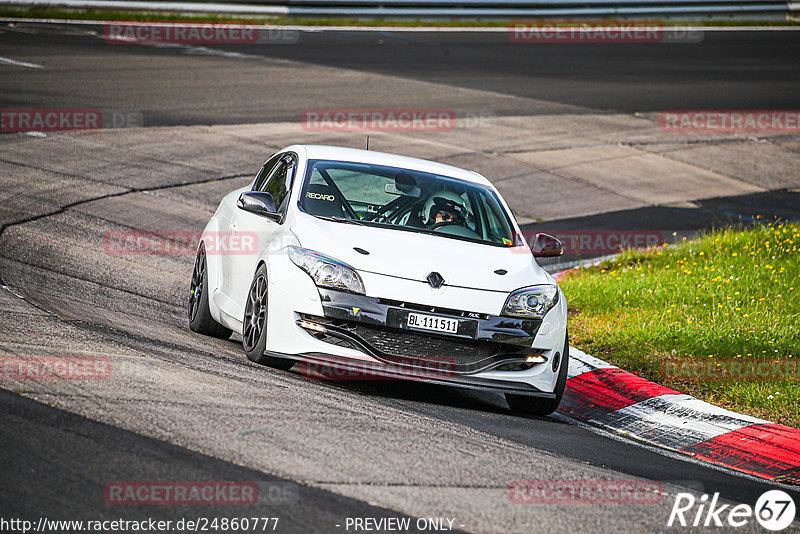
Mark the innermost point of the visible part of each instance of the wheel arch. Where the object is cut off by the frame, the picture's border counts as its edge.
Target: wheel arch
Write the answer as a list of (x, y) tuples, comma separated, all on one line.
[(213, 268)]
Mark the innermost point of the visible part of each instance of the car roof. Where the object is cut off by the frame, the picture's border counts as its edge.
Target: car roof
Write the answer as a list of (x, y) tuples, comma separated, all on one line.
[(338, 153)]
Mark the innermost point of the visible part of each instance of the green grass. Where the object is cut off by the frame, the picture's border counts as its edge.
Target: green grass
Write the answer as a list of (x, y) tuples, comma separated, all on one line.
[(164, 16), (731, 294)]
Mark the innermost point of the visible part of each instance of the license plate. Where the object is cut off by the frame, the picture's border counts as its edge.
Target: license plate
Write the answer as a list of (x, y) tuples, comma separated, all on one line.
[(430, 322)]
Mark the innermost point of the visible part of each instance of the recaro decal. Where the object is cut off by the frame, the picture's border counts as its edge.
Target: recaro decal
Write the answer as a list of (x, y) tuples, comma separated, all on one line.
[(320, 196)]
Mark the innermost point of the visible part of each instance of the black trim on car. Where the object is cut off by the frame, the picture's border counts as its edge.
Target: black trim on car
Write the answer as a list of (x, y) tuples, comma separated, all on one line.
[(379, 328), (376, 311), (378, 371)]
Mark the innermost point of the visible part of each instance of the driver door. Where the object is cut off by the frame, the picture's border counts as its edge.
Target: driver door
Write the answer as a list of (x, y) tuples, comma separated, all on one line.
[(239, 265)]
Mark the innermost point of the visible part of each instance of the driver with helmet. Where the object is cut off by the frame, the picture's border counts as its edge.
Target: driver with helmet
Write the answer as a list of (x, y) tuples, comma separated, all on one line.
[(444, 207)]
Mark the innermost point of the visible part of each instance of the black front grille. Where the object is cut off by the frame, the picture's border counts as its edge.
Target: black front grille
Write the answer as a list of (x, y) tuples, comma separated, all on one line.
[(414, 349), (414, 345)]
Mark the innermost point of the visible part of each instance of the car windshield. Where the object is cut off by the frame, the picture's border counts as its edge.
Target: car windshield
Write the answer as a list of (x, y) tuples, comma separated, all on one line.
[(407, 200)]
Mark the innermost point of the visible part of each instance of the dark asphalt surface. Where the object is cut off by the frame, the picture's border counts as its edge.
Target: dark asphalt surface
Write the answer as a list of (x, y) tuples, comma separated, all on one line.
[(674, 223), (56, 464), (45, 451), (560, 435), (710, 213), (726, 70)]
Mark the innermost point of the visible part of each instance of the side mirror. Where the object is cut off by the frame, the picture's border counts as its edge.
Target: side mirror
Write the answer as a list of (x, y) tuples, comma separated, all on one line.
[(259, 203), (547, 246)]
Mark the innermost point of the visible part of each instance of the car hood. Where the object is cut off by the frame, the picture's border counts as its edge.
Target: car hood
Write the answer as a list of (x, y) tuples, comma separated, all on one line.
[(414, 256)]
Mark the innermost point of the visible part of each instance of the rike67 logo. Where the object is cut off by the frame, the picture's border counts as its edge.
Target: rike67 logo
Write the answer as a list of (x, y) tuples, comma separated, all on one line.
[(774, 510)]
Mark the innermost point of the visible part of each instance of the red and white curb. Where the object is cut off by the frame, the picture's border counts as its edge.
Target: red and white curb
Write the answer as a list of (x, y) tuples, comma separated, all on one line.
[(607, 396)]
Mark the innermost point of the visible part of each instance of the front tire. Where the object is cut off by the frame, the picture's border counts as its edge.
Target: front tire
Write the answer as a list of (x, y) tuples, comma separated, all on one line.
[(200, 319), (254, 324), (536, 405)]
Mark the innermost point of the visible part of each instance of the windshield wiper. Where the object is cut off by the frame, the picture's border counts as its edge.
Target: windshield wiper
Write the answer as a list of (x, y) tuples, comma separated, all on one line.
[(341, 219)]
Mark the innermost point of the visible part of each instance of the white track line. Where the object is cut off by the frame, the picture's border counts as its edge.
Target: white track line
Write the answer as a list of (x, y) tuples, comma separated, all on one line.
[(9, 61)]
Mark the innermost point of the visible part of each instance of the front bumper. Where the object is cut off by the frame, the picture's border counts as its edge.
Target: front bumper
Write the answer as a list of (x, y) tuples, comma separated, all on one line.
[(294, 297), (378, 328), (327, 367)]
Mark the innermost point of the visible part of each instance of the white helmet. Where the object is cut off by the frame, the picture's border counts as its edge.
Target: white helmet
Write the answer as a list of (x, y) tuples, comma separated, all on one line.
[(444, 200)]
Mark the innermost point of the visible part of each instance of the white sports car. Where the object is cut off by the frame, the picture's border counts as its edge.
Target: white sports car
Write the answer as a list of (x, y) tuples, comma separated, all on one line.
[(415, 269)]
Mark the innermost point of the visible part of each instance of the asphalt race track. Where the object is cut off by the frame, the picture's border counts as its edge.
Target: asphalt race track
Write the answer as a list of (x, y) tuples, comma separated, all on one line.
[(726, 70), (183, 407)]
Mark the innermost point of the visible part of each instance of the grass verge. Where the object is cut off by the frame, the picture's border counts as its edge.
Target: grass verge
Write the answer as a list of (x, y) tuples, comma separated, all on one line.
[(717, 317), (56, 13)]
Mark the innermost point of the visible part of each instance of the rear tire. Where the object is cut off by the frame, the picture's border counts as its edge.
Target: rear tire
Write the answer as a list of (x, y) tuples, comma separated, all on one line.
[(539, 406), (200, 319), (254, 324)]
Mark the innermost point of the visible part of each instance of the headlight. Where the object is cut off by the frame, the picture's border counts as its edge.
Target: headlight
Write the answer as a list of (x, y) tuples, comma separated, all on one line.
[(327, 272), (533, 302)]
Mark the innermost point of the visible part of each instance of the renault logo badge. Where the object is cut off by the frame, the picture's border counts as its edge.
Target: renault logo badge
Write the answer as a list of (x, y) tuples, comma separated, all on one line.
[(435, 280)]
